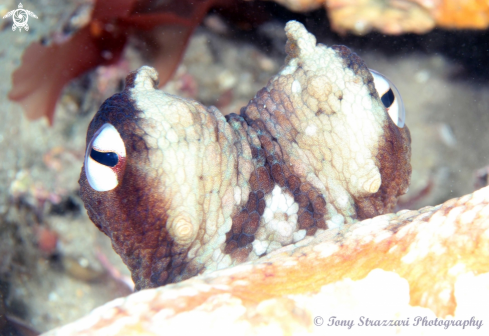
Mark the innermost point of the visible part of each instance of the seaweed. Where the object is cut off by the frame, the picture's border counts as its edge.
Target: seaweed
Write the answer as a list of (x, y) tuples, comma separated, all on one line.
[(164, 26)]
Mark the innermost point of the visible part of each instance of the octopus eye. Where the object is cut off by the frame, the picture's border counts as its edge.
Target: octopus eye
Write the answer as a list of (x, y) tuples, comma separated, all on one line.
[(105, 158), (391, 98)]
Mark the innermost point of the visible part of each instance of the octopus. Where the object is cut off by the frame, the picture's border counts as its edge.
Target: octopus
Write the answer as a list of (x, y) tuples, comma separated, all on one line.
[(182, 190)]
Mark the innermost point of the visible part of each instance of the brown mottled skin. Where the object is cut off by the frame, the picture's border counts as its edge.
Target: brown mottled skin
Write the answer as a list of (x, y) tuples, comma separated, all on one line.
[(198, 191)]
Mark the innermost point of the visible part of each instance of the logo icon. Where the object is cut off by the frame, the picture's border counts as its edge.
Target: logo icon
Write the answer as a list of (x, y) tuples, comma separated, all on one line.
[(20, 17)]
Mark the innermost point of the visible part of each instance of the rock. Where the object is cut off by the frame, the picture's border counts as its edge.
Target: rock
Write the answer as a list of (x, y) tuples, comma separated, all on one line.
[(412, 266)]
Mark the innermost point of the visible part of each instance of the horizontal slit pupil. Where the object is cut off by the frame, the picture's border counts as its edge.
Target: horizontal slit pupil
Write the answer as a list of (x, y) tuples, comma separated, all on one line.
[(106, 158), (388, 98)]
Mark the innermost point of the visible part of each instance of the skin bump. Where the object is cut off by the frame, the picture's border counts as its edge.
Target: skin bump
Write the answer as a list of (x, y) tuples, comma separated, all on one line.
[(315, 149), (181, 229)]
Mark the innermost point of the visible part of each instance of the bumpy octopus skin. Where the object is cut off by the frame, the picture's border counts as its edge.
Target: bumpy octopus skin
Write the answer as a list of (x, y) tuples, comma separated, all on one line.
[(193, 191)]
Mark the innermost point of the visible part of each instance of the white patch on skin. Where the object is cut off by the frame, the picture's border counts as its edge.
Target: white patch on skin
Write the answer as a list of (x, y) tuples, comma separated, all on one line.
[(260, 247), (298, 235), (280, 217), (237, 195), (225, 262), (293, 208), (171, 136), (343, 199), (217, 254), (336, 221), (310, 130), (284, 230), (267, 215), (296, 87), (222, 230)]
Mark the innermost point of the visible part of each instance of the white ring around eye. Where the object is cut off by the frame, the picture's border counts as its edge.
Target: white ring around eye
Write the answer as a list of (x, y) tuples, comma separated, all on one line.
[(106, 141), (396, 110)]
